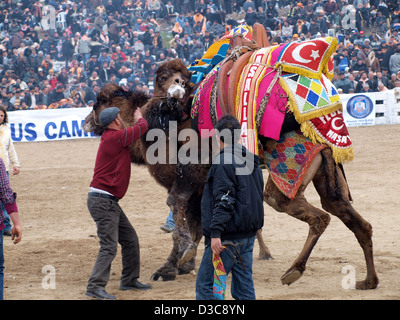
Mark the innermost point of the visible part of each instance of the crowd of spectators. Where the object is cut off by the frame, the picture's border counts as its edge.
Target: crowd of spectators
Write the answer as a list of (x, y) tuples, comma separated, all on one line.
[(61, 58)]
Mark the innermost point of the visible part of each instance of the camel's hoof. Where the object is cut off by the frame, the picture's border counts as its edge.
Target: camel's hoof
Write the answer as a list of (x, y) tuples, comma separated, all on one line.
[(291, 276), (367, 284), (188, 254), (164, 277), (186, 268), (265, 256)]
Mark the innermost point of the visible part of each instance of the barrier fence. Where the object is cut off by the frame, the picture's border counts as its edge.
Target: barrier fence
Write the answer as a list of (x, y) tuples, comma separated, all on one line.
[(364, 109)]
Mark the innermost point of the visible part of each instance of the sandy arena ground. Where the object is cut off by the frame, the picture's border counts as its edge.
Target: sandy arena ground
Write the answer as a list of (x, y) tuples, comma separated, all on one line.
[(59, 235)]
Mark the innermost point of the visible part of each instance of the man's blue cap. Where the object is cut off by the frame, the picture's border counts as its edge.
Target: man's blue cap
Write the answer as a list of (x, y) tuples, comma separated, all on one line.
[(108, 115)]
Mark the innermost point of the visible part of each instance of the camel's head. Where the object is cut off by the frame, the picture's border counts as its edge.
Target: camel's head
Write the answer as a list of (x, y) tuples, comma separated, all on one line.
[(171, 95), (112, 95), (172, 88), (173, 80)]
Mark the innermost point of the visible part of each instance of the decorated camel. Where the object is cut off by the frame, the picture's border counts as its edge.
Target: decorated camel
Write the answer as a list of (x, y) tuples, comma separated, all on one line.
[(290, 115)]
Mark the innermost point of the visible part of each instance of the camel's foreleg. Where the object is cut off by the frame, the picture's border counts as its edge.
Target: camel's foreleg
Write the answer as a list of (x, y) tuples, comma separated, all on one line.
[(182, 241), (178, 203), (193, 216)]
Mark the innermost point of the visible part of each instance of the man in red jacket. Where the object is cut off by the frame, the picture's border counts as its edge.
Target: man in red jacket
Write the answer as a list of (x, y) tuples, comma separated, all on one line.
[(9, 199), (110, 182)]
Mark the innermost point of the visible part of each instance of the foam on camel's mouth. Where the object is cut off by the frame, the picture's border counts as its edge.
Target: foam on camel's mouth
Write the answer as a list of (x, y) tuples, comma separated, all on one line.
[(176, 91)]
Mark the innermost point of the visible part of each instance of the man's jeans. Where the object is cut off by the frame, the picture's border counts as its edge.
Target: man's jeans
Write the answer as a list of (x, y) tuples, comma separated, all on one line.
[(1, 266), (113, 227), (7, 222), (242, 287)]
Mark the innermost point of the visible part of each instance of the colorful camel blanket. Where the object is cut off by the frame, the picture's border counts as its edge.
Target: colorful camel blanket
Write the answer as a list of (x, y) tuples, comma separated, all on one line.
[(205, 106), (219, 285), (295, 77), (288, 160), (311, 95)]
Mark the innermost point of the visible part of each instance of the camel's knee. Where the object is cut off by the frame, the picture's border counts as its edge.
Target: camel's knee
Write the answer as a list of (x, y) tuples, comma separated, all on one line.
[(171, 200), (273, 196), (318, 223), (368, 228), (318, 220), (272, 203)]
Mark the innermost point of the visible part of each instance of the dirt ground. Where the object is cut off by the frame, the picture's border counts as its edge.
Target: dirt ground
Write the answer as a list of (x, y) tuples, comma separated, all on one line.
[(59, 246)]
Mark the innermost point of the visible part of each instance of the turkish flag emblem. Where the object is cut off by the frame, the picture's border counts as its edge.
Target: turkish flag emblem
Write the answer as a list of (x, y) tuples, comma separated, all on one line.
[(306, 54)]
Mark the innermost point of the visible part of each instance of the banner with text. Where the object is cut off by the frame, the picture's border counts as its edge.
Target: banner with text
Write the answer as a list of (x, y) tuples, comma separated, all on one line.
[(48, 125), (358, 109)]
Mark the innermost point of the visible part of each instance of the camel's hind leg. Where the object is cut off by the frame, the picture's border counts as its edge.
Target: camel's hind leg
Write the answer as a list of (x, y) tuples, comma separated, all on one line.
[(336, 200), (300, 209)]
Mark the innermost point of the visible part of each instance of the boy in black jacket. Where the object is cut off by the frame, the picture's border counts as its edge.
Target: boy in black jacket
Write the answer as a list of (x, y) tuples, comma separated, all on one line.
[(231, 211)]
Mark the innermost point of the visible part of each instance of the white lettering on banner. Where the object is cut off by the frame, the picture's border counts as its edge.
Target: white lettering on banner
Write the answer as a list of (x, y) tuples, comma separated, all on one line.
[(48, 125)]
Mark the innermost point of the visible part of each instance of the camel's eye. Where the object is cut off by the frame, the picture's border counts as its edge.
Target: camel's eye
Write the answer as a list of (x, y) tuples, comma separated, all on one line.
[(164, 78)]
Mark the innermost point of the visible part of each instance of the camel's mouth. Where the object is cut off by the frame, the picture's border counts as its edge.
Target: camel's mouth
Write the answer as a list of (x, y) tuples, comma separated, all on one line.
[(176, 91)]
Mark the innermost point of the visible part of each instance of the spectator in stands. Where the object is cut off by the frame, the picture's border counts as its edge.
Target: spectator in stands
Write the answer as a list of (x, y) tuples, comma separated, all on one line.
[(108, 27), (394, 61), (360, 66), (362, 82), (366, 88), (248, 4), (343, 83), (217, 29), (382, 87), (57, 93), (382, 79), (251, 16)]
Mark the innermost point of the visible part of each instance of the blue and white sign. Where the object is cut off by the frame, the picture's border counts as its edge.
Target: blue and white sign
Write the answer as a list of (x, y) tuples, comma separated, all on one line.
[(359, 109), (48, 125)]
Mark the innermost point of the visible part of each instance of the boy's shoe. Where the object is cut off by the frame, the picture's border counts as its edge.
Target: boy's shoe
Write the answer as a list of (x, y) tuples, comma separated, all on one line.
[(166, 228)]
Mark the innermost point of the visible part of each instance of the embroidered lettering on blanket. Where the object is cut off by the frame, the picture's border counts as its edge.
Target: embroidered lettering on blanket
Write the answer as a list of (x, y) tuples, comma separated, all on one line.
[(246, 104)]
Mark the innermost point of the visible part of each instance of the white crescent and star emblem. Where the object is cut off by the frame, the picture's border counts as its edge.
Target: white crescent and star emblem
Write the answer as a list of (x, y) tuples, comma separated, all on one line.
[(296, 53), (334, 126)]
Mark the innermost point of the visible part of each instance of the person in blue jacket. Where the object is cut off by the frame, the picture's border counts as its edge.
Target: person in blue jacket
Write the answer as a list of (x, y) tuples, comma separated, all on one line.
[(231, 213)]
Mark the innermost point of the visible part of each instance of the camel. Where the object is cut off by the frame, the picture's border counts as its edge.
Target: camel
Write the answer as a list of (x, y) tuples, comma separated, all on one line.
[(185, 182)]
